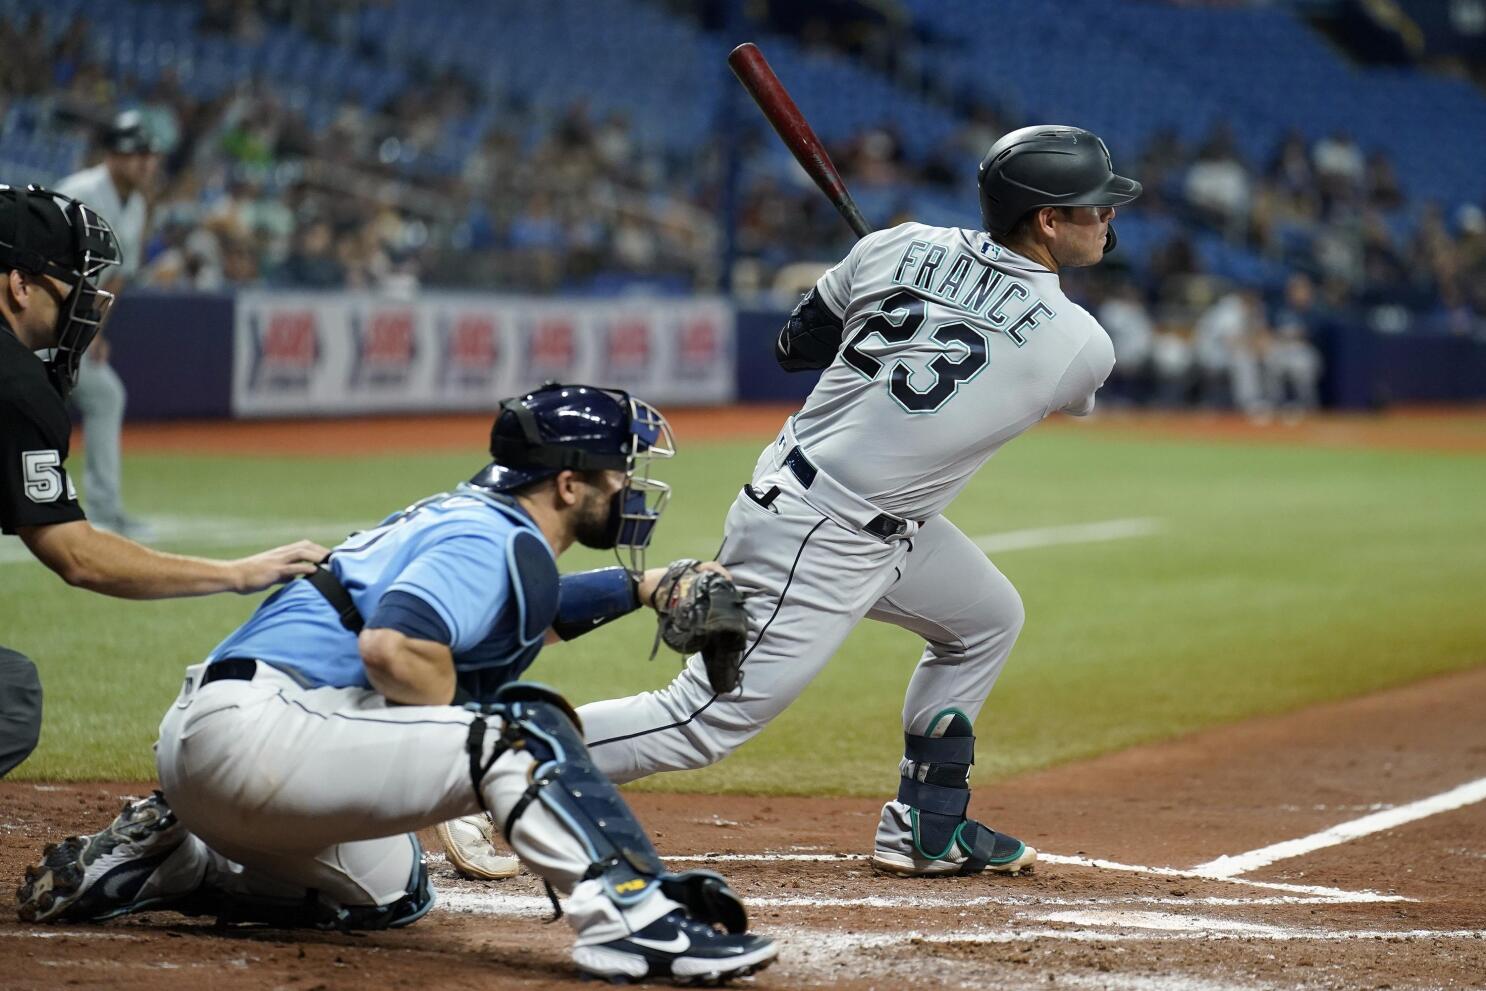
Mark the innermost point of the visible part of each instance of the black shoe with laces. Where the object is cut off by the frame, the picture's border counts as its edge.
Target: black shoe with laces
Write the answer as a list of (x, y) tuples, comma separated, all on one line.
[(91, 878), (679, 947)]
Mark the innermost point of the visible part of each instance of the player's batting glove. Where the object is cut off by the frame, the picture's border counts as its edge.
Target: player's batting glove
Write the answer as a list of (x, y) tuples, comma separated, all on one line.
[(702, 612)]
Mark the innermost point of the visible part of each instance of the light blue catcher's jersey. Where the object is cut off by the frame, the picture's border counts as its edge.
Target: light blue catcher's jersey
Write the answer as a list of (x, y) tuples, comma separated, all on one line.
[(477, 560)]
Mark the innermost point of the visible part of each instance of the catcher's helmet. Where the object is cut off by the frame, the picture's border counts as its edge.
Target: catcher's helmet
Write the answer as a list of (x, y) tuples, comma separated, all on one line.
[(584, 428), (46, 233), (1048, 165)]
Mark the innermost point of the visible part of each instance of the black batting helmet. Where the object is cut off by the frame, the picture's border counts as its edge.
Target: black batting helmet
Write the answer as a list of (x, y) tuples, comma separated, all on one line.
[(1048, 165), (130, 134)]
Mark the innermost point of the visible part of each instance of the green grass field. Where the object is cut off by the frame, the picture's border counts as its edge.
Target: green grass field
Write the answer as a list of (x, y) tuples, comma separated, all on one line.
[(1279, 577)]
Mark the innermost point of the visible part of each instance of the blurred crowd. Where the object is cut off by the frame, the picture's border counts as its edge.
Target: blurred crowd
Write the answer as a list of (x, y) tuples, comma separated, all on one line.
[(1239, 351), (248, 193)]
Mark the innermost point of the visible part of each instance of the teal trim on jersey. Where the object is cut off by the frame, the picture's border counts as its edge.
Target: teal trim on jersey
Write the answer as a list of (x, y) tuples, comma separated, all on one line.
[(1017, 337), (924, 320), (938, 377), (990, 314)]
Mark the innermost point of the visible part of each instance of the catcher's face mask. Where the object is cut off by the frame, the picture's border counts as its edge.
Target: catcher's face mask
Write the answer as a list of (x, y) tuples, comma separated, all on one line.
[(587, 429), (635, 509), (92, 249)]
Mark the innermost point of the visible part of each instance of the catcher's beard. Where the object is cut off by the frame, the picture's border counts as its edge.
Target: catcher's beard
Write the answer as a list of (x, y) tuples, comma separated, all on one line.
[(598, 520)]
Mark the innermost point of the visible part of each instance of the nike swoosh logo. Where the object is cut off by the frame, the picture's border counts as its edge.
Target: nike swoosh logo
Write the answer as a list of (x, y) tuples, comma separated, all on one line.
[(116, 886), (679, 944)]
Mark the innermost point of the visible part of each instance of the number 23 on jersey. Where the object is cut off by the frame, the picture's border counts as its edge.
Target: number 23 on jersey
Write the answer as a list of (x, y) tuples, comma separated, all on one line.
[(960, 357)]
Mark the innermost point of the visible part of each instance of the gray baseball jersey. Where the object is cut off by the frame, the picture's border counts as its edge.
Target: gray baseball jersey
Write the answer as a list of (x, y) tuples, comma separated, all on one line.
[(954, 344), (96, 188)]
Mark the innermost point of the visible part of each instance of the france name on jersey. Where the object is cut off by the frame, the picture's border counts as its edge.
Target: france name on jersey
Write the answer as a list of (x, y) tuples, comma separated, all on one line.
[(480, 563), (953, 345)]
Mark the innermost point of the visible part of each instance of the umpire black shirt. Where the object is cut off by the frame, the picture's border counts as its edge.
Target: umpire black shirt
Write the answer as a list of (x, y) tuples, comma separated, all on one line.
[(34, 432)]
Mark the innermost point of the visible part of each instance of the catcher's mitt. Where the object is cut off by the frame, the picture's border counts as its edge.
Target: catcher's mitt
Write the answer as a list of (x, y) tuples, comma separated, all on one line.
[(702, 612)]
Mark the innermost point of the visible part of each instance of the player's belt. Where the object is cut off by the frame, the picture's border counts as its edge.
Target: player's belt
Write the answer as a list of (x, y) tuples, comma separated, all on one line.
[(230, 669), (883, 526), (246, 669)]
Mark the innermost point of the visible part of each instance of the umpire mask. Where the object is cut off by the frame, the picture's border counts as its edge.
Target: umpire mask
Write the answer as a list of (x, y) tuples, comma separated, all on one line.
[(48, 234)]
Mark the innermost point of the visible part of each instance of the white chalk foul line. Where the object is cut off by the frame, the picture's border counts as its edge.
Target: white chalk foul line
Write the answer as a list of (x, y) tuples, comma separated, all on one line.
[(1100, 925), (65, 934), (1102, 936), (1227, 867), (1333, 894), (1079, 533), (487, 902)]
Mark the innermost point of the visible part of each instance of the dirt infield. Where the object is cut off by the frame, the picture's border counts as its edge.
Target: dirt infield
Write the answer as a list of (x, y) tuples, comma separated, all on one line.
[(1112, 905), (1461, 429)]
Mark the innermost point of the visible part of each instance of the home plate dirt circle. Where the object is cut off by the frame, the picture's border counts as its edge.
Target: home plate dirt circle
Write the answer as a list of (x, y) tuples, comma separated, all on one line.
[(1340, 847)]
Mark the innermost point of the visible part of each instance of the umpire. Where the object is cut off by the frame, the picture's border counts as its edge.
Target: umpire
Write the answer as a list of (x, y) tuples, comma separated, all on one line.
[(53, 251)]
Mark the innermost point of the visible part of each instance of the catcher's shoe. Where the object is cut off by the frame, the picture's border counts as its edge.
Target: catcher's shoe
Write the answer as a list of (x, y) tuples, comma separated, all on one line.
[(469, 843), (973, 847), (679, 947), (91, 878)]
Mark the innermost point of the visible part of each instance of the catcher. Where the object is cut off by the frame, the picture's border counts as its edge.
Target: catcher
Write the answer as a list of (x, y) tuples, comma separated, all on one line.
[(302, 755), (700, 612)]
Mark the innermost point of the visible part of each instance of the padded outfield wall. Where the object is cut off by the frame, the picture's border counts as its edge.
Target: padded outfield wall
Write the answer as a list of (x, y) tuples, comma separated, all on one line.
[(262, 353)]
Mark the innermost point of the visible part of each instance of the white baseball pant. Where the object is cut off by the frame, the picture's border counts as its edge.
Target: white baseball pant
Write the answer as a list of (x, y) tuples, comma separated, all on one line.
[(811, 573), (287, 789)]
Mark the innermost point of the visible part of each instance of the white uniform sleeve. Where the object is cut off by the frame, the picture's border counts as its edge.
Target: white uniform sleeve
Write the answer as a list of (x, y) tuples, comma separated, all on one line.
[(76, 187), (94, 188), (1083, 376), (834, 288)]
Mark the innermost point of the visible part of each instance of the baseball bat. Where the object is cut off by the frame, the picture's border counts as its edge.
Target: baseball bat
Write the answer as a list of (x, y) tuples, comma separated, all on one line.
[(753, 71)]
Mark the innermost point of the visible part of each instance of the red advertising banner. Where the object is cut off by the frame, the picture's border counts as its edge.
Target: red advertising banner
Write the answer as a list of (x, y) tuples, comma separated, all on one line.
[(300, 354)]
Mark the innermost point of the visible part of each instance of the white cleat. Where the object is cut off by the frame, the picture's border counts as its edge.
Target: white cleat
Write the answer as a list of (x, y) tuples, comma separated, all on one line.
[(469, 843)]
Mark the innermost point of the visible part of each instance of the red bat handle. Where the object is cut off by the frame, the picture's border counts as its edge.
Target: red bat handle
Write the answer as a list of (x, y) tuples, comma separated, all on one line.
[(753, 71)]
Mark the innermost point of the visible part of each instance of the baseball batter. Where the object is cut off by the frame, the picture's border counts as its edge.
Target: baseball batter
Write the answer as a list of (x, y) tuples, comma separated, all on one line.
[(938, 346)]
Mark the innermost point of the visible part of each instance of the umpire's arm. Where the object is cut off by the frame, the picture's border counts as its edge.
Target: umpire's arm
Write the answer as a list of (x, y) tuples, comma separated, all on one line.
[(86, 557)]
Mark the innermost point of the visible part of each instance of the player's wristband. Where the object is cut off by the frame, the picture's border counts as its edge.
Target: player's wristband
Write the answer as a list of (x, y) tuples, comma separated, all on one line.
[(589, 599)]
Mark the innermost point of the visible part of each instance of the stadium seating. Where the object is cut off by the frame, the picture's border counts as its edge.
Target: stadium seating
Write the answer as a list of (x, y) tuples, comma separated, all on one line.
[(1125, 71)]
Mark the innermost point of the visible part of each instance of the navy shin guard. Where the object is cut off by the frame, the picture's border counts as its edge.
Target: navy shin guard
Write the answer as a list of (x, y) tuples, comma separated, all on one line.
[(568, 784), (936, 783)]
